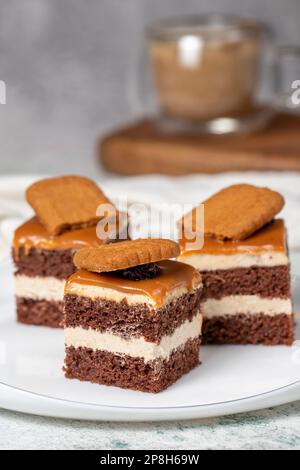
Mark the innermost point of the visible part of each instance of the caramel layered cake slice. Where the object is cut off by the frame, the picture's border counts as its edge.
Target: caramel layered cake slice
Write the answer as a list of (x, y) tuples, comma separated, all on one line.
[(245, 271), (43, 247), (43, 263), (131, 316)]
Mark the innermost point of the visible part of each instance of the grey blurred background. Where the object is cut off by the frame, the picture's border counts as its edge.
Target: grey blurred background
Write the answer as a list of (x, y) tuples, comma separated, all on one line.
[(67, 66)]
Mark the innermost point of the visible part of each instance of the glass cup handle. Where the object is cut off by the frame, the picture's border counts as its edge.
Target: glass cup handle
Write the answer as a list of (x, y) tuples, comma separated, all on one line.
[(287, 79)]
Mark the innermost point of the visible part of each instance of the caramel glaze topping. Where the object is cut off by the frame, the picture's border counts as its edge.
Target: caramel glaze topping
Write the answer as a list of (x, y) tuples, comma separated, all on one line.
[(32, 234), (174, 275), (272, 237)]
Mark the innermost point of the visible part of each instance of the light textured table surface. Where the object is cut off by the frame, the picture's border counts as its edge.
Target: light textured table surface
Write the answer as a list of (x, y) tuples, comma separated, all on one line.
[(277, 428)]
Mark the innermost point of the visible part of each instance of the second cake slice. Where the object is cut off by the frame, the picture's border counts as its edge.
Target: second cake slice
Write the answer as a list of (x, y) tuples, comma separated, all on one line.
[(138, 327)]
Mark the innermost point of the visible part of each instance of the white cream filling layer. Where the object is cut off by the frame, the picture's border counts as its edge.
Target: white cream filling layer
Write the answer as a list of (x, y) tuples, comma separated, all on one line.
[(247, 304), (206, 262), (39, 288), (134, 347), (117, 296)]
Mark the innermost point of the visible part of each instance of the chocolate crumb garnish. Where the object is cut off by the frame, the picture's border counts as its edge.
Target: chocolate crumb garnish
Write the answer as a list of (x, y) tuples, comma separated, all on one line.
[(139, 273)]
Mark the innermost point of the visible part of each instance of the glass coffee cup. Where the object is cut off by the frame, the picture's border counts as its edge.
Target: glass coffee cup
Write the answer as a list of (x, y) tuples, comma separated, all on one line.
[(205, 74)]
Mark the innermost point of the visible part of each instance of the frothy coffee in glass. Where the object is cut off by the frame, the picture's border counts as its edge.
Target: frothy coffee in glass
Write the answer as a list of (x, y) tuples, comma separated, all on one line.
[(205, 69)]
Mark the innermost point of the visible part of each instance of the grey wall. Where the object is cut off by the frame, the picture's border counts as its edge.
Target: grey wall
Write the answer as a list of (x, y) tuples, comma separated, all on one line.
[(66, 65)]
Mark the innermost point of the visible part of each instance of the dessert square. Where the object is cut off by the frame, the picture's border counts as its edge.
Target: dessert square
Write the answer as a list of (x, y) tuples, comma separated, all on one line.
[(139, 334), (42, 265), (246, 287), (43, 247)]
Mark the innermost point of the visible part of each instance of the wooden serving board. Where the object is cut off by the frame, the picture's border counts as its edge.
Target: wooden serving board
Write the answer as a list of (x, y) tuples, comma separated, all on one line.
[(142, 149)]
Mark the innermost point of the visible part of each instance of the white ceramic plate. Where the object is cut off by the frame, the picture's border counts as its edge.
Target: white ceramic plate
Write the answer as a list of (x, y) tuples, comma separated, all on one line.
[(231, 378)]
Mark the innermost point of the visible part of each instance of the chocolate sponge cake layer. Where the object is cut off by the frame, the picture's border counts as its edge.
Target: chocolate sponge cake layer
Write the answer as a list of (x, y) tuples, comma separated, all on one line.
[(39, 312), (130, 320), (268, 282), (248, 329), (106, 368), (35, 262)]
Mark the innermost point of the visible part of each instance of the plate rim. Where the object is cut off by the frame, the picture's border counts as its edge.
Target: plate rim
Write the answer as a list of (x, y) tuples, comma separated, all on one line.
[(146, 408), (58, 408)]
